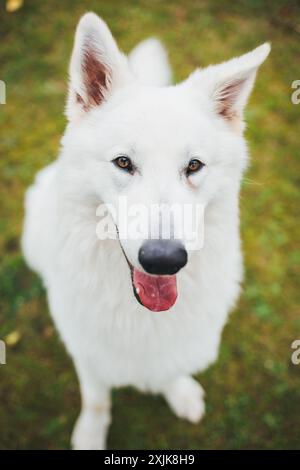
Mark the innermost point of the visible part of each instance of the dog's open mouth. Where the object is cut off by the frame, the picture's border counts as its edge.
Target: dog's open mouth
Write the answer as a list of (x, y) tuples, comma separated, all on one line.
[(157, 293)]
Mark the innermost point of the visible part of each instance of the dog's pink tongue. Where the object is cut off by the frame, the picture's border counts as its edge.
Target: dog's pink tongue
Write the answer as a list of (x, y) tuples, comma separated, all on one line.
[(157, 293)]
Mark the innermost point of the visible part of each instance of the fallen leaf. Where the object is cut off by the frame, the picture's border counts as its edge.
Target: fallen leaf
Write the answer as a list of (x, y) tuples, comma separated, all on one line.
[(12, 338), (13, 5)]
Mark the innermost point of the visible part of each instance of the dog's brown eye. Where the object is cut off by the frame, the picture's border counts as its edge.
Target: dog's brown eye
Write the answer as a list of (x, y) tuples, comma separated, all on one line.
[(193, 166), (124, 163)]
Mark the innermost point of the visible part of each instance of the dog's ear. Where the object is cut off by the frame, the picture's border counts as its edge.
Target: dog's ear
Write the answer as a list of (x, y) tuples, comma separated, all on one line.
[(97, 66), (228, 85)]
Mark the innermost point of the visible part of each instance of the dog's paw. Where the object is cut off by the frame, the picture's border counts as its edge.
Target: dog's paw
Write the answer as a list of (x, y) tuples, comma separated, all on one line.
[(186, 398), (90, 431)]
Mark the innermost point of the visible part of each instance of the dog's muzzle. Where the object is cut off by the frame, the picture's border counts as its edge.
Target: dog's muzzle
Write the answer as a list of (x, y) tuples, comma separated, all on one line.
[(162, 257)]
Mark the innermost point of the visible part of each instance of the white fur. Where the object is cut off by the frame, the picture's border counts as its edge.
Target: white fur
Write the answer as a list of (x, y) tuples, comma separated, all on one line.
[(149, 63), (113, 340)]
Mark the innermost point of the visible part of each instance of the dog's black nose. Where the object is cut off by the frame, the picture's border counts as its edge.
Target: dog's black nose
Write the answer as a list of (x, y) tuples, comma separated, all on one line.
[(162, 256)]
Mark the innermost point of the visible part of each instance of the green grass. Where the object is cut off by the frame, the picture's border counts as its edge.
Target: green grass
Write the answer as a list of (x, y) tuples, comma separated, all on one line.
[(253, 391)]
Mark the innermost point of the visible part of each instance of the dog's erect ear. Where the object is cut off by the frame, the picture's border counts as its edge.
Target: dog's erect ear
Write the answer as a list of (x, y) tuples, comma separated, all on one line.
[(228, 85), (97, 66)]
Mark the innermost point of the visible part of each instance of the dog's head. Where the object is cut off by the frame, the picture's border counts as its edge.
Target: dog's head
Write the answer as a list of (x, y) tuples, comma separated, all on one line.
[(155, 146)]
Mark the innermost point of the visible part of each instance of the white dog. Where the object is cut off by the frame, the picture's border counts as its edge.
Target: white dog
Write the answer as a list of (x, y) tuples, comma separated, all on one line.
[(131, 133)]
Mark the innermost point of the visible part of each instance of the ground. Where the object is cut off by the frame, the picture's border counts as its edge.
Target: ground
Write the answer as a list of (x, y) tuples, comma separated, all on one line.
[(253, 391)]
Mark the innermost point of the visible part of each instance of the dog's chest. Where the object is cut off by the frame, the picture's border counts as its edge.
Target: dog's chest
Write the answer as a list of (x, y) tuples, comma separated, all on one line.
[(136, 346)]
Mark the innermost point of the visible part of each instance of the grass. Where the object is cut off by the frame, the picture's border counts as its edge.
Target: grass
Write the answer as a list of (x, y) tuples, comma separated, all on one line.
[(253, 391)]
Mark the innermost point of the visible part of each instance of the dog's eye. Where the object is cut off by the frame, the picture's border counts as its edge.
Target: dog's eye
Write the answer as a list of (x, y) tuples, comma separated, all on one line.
[(194, 166), (124, 163)]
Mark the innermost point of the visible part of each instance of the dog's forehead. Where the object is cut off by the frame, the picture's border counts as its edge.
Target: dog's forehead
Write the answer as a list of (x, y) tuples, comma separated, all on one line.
[(170, 104), (156, 115)]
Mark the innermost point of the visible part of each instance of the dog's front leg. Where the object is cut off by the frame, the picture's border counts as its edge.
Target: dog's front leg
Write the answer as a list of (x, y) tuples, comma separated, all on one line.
[(91, 428), (185, 397)]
